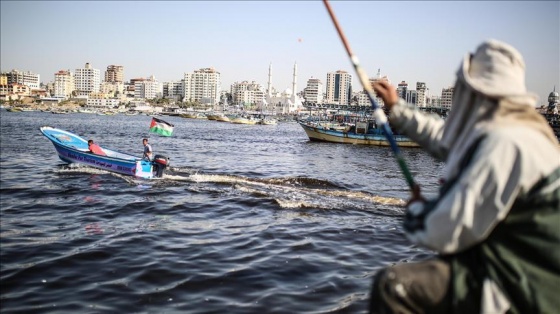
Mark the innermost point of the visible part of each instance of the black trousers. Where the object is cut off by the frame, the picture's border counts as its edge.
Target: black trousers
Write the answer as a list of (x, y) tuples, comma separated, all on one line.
[(421, 287)]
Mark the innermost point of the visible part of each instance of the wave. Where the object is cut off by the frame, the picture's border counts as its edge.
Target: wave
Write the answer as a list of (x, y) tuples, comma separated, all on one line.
[(287, 192)]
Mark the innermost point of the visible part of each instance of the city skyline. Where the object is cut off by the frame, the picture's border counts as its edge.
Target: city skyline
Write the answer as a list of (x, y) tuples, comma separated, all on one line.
[(407, 41)]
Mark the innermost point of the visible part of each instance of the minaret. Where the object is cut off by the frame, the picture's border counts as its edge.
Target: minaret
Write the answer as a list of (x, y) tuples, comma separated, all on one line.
[(294, 82), (269, 87)]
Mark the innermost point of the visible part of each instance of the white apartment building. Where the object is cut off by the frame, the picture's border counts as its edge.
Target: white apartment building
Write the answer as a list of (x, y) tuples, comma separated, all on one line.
[(202, 85), (421, 94), (435, 101), (313, 93), (339, 87), (173, 90), (363, 99), (103, 103), (87, 81), (63, 84), (247, 93), (148, 89), (446, 97), (24, 78), (114, 74)]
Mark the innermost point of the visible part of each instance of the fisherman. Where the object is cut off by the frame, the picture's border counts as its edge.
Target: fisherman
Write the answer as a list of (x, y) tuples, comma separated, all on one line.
[(147, 150), (95, 149), (495, 223)]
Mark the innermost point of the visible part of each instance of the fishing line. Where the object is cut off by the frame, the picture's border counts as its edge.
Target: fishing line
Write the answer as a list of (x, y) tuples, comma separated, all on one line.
[(378, 113)]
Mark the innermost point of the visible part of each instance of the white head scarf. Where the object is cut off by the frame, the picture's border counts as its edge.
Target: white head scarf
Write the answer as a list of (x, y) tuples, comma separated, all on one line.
[(489, 93)]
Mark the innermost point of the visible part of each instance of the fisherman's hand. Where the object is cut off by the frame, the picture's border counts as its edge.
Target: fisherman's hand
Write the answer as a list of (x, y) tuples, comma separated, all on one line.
[(387, 92)]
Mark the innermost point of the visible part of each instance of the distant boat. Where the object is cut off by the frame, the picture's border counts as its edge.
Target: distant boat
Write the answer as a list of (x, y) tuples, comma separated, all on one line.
[(211, 116), (362, 133), (267, 121), (221, 117), (240, 119)]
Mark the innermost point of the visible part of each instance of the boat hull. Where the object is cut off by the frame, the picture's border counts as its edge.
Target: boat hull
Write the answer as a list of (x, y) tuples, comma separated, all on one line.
[(74, 149), (321, 134)]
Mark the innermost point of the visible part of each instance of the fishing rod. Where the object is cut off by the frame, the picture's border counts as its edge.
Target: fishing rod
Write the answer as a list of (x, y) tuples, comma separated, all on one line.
[(378, 113)]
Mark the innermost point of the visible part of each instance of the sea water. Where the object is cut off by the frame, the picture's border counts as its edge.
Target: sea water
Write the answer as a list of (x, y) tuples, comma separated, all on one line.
[(247, 219)]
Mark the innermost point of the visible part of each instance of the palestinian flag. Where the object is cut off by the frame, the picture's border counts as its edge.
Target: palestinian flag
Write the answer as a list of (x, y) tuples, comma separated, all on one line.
[(161, 127)]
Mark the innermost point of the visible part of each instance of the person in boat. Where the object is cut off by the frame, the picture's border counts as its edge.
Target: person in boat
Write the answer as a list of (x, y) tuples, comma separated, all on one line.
[(494, 224), (148, 154), (95, 149)]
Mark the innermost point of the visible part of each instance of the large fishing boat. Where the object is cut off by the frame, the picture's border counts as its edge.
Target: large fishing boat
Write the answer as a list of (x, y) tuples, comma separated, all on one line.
[(363, 133), (71, 148)]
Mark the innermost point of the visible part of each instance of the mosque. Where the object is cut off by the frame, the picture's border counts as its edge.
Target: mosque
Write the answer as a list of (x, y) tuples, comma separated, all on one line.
[(282, 102)]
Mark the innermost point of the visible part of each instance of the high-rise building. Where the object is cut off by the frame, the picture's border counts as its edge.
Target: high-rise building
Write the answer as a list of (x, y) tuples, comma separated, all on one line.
[(148, 89), (87, 80), (411, 96), (246, 93), (203, 85), (173, 90), (313, 93), (24, 78), (114, 74), (339, 87), (446, 97), (421, 94), (63, 84), (402, 87)]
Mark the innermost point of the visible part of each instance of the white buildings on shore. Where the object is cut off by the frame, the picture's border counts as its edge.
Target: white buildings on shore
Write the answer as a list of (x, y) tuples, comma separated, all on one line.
[(148, 89), (24, 78), (313, 92), (203, 85), (87, 80), (63, 84), (248, 94)]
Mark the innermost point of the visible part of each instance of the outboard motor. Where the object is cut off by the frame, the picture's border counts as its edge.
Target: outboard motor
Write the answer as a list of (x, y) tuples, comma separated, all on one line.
[(160, 162)]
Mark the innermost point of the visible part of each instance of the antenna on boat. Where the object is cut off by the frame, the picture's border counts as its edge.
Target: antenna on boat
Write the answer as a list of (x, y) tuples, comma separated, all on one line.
[(377, 111)]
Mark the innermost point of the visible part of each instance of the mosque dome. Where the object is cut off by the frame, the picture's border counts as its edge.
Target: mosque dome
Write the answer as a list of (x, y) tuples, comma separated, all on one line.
[(288, 91), (554, 97)]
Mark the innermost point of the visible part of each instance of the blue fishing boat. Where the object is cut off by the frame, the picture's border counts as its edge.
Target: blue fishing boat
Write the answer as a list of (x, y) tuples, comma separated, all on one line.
[(71, 148), (362, 133)]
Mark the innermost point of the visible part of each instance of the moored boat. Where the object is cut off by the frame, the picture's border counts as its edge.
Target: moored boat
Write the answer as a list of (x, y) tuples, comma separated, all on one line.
[(267, 121), (222, 117), (243, 120), (71, 148), (188, 115)]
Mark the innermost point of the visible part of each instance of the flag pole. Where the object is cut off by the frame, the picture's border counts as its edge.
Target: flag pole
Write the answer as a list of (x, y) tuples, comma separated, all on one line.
[(378, 113)]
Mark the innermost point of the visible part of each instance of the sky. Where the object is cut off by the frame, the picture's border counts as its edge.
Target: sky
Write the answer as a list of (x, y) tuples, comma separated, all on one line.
[(412, 41)]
